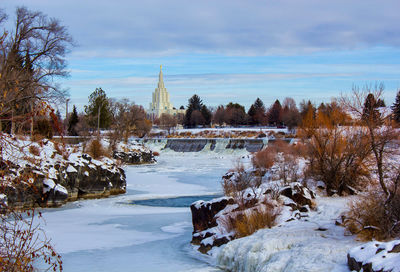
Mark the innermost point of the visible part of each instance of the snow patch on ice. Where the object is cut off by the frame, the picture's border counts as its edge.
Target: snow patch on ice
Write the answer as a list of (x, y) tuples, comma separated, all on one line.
[(177, 228)]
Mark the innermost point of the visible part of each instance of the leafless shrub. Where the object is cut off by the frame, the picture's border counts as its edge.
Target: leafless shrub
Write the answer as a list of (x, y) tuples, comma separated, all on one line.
[(239, 183), (372, 216), (287, 167), (23, 243)]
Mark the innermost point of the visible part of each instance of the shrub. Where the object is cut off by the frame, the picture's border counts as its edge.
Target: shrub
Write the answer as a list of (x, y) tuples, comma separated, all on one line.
[(371, 216), (95, 149), (155, 153), (264, 159), (238, 183), (338, 154), (287, 167), (34, 150), (44, 128), (262, 217)]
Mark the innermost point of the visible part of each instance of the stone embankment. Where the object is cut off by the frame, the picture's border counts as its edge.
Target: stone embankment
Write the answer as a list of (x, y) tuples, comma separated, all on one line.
[(49, 174)]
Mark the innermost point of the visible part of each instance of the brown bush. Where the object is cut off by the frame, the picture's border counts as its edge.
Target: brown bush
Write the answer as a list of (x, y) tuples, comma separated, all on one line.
[(264, 159), (155, 153), (95, 149), (372, 217), (260, 218), (338, 155), (34, 150)]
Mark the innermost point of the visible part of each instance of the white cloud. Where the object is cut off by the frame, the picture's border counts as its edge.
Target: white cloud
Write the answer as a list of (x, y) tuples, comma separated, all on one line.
[(158, 27)]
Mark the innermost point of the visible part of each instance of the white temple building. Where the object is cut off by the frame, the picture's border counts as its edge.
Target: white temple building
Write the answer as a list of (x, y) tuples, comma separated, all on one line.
[(160, 101)]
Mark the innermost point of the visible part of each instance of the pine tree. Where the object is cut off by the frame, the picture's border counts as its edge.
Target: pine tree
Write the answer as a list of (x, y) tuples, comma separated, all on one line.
[(73, 121), (98, 102), (275, 113), (194, 104), (396, 108), (206, 115), (370, 111), (257, 112)]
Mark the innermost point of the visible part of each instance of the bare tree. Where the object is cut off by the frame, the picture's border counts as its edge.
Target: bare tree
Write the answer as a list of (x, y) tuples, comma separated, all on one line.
[(167, 121), (290, 113), (129, 119), (363, 107), (32, 55)]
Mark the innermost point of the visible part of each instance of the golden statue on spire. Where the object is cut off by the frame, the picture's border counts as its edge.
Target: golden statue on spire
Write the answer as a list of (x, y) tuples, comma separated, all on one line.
[(160, 67)]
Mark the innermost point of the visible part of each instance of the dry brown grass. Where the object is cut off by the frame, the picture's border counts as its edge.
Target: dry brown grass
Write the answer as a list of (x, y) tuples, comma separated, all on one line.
[(260, 218), (95, 149), (370, 217)]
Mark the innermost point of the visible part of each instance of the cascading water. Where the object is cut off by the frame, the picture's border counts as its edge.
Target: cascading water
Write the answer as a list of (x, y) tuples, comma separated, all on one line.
[(214, 145)]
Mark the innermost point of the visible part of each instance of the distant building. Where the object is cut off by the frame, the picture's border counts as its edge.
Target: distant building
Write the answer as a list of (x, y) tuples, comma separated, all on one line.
[(160, 101)]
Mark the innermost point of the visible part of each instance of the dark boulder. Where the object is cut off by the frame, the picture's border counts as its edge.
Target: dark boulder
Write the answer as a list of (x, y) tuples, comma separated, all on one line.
[(203, 212)]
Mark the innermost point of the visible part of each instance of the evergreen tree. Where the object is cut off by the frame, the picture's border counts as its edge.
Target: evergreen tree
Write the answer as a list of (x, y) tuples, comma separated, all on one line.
[(206, 113), (380, 103), (370, 111), (73, 121), (257, 112), (275, 113), (195, 104), (99, 103), (305, 107), (396, 108)]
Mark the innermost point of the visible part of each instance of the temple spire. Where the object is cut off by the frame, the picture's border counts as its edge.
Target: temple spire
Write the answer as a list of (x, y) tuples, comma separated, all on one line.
[(160, 79)]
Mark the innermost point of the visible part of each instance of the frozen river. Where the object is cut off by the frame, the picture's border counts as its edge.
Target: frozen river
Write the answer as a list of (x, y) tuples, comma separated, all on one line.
[(147, 229)]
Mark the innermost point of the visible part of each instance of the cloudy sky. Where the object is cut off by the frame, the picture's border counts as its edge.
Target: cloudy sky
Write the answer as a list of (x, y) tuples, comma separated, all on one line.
[(227, 50)]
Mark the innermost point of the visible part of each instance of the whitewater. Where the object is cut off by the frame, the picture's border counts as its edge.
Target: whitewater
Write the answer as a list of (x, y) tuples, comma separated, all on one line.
[(148, 228)]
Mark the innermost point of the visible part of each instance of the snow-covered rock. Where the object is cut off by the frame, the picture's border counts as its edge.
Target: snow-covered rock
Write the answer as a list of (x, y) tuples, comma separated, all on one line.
[(310, 244), (51, 174), (375, 256), (132, 153)]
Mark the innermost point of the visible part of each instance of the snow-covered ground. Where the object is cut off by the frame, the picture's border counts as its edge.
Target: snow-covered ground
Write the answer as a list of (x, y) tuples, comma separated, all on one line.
[(310, 244), (115, 235)]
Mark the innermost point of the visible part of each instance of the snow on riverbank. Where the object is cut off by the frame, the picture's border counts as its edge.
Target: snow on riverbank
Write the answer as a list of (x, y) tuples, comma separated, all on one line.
[(310, 244), (114, 235)]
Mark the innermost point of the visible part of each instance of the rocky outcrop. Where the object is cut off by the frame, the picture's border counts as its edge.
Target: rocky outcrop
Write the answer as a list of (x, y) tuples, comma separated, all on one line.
[(203, 212), (61, 181), (375, 257), (49, 174), (208, 215), (135, 156), (205, 233)]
